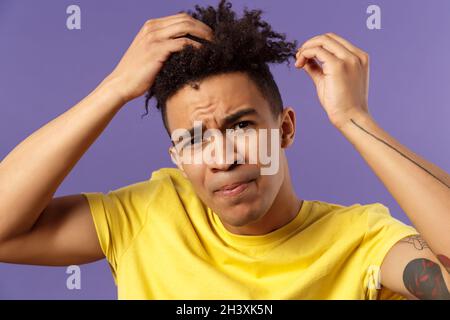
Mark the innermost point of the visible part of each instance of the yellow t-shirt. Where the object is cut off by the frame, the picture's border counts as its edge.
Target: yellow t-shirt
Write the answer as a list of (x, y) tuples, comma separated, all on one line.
[(162, 242)]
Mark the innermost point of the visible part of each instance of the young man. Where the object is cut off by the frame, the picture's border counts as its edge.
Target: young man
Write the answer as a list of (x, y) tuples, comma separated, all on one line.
[(223, 229)]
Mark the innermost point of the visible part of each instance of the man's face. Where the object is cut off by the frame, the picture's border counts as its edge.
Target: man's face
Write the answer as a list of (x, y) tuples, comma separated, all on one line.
[(238, 193)]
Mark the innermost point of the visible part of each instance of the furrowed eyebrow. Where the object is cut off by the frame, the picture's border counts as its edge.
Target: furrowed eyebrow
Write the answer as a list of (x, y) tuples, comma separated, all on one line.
[(229, 119), (239, 114)]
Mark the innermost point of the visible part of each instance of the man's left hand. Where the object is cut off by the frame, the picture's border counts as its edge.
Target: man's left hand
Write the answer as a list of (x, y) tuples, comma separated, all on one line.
[(340, 72)]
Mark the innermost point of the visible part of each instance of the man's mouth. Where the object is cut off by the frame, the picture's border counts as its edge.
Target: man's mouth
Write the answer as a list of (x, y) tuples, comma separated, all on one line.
[(234, 189)]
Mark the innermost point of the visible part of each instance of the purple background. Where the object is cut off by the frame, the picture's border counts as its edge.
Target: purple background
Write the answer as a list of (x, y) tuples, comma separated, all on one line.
[(46, 68)]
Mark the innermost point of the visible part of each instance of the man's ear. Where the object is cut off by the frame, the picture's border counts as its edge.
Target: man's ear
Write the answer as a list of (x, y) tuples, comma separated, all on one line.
[(287, 127), (176, 159)]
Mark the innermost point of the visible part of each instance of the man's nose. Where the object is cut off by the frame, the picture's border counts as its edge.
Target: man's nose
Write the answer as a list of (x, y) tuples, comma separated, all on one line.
[(225, 155), (215, 167)]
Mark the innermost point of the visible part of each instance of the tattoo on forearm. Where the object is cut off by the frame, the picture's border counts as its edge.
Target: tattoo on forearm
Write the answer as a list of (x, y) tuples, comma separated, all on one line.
[(445, 261), (402, 154), (423, 278), (417, 241)]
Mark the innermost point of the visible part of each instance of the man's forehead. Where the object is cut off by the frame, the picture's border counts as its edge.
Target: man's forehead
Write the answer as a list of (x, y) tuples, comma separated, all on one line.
[(212, 99), (220, 97)]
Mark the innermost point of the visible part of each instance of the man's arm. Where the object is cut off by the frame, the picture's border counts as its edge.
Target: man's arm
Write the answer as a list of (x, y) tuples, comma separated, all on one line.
[(421, 188), (34, 226), (64, 234), (411, 269)]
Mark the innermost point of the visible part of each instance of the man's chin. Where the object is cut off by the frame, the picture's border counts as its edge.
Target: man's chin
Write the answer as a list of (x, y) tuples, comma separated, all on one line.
[(239, 219)]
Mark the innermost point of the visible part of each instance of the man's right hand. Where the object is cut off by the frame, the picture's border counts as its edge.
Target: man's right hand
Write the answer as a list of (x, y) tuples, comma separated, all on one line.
[(157, 39)]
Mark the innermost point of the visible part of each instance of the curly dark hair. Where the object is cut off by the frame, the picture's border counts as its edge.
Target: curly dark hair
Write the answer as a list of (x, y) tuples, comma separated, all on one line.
[(245, 44)]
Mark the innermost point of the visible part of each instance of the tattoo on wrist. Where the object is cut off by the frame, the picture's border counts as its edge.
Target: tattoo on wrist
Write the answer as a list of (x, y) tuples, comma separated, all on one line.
[(401, 153)]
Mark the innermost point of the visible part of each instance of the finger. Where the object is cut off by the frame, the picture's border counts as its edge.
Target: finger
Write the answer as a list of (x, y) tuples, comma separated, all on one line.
[(350, 47), (329, 44), (313, 69), (174, 45), (329, 61), (157, 23), (208, 31), (178, 29)]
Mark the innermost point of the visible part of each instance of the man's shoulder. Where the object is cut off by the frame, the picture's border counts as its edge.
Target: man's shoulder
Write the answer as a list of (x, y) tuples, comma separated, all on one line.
[(172, 177), (167, 173), (161, 180), (351, 213), (356, 207)]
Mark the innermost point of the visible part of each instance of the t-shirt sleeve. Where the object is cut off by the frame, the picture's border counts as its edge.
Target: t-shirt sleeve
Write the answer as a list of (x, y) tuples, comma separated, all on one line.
[(382, 233), (118, 216)]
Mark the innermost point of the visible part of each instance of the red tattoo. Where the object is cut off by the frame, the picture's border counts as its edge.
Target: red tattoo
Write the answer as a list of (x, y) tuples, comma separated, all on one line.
[(445, 261), (423, 278)]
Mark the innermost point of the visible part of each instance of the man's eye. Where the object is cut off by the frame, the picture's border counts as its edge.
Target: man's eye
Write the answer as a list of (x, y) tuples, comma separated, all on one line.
[(196, 140), (242, 124)]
